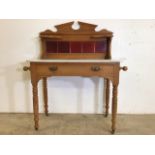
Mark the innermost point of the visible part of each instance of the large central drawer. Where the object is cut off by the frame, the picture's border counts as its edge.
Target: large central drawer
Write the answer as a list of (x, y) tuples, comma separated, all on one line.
[(74, 69)]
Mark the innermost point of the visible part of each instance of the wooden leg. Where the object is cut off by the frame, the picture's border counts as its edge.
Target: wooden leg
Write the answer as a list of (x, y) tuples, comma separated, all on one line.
[(35, 104), (45, 95), (114, 108), (107, 89)]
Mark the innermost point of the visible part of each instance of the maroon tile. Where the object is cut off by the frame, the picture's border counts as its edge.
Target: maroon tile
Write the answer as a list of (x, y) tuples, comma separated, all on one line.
[(63, 47), (76, 47), (88, 47), (101, 46), (51, 46)]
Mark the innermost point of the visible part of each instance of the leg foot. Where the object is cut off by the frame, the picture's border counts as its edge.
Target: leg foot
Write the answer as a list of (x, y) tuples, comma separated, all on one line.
[(46, 113), (113, 131), (36, 123), (105, 115), (36, 128)]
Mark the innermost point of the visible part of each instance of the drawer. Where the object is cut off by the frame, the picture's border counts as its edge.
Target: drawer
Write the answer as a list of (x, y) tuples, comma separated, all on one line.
[(74, 69)]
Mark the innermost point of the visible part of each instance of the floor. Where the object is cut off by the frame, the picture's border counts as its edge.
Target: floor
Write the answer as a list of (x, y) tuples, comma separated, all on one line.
[(76, 124)]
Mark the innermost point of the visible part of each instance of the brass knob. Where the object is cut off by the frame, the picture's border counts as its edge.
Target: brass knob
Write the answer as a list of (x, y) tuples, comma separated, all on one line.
[(124, 68), (95, 68), (53, 68), (25, 68)]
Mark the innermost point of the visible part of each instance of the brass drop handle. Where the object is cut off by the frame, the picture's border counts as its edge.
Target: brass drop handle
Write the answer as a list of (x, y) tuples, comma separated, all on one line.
[(25, 68), (124, 68), (95, 68), (53, 68)]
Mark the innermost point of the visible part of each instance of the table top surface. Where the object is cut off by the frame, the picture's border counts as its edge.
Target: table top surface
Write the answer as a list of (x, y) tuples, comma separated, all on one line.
[(76, 60)]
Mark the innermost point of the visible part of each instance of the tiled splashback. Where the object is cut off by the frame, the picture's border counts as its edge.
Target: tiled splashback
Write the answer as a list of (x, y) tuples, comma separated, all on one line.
[(76, 46)]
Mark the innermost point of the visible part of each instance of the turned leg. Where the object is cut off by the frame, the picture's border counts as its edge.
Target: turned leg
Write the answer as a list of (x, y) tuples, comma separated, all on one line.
[(35, 104), (114, 108), (107, 90), (45, 95)]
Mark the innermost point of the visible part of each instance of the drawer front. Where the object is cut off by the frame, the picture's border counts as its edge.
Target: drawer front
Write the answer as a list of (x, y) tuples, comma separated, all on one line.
[(73, 69)]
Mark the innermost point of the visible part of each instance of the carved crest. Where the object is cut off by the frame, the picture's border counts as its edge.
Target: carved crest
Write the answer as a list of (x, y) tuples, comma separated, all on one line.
[(85, 28)]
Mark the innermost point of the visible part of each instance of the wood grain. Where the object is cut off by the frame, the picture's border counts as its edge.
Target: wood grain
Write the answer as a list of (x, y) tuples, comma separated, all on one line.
[(35, 104), (114, 108), (87, 32), (45, 95)]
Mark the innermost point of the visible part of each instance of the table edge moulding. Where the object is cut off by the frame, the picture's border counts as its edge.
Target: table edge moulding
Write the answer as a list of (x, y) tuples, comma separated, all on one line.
[(69, 52)]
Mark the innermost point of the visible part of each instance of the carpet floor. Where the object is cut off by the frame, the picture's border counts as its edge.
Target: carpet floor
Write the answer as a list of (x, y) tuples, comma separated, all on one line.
[(76, 124)]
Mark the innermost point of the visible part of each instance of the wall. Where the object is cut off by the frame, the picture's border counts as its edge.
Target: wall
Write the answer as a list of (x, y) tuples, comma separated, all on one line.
[(133, 40)]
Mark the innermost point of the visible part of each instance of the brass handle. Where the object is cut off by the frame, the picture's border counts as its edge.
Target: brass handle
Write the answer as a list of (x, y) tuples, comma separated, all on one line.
[(124, 68), (25, 68), (53, 68), (95, 68)]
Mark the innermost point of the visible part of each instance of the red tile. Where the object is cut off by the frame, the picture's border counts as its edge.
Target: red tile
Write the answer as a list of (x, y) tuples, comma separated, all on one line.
[(88, 47), (76, 47), (63, 47), (101, 46), (51, 47)]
